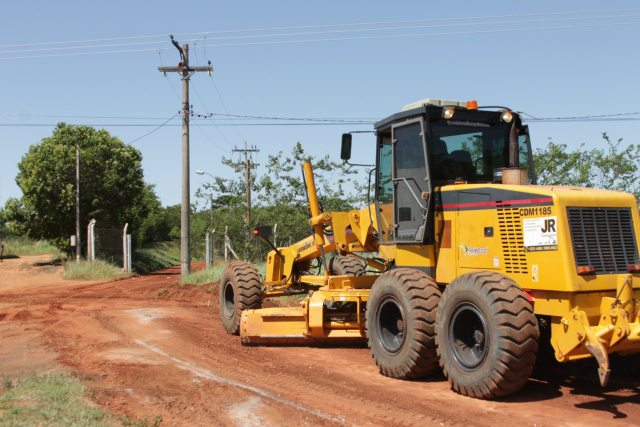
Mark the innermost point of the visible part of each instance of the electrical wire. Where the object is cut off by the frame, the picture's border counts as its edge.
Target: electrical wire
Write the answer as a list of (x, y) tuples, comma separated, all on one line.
[(597, 118), (80, 117), (204, 39), (321, 26), (211, 115), (167, 78), (176, 125), (419, 35), (225, 107), (197, 124), (411, 27), (305, 121), (147, 134)]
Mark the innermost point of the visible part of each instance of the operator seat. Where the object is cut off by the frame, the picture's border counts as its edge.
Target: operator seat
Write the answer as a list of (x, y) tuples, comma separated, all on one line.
[(462, 166)]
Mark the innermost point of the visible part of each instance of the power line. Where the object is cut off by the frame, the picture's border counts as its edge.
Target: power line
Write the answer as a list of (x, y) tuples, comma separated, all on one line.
[(177, 125), (414, 21), (305, 121), (320, 26), (80, 117), (145, 135), (307, 33), (413, 27), (205, 108), (167, 77), (84, 53), (324, 39), (211, 115), (421, 35), (225, 106)]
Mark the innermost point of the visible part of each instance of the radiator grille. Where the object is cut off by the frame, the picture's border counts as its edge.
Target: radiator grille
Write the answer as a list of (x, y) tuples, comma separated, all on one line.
[(603, 238), (513, 253)]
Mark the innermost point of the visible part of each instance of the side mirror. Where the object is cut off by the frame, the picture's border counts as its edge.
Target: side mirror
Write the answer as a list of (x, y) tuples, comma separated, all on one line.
[(345, 151)]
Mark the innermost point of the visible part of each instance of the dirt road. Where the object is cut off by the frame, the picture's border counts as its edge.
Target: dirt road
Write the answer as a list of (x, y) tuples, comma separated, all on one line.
[(148, 347)]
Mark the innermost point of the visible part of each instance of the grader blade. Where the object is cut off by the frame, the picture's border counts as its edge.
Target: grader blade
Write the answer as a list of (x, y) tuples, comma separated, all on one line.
[(296, 325), (273, 325)]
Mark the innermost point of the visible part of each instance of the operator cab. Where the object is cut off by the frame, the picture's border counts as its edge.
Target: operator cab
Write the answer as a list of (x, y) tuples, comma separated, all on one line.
[(433, 143)]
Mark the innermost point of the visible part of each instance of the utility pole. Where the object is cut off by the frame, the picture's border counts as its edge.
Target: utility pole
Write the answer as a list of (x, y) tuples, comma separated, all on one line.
[(185, 227), (78, 248), (247, 176)]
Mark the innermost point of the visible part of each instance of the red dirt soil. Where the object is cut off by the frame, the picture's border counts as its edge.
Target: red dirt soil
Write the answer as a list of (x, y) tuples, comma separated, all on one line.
[(147, 347)]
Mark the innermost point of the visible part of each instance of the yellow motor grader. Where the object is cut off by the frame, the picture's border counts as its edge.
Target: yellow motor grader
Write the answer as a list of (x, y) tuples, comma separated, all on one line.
[(473, 267)]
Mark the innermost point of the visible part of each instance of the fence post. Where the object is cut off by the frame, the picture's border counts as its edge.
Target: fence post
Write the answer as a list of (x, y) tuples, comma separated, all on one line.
[(226, 246), (275, 235), (207, 256), (128, 252), (124, 247), (91, 240), (213, 248)]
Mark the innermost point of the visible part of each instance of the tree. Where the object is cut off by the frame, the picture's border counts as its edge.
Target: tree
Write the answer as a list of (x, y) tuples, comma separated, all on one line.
[(280, 198), (599, 168), (112, 187)]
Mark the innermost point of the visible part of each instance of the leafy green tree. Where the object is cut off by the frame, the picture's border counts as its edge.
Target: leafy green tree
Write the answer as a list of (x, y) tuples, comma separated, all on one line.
[(279, 198), (612, 168), (112, 187)]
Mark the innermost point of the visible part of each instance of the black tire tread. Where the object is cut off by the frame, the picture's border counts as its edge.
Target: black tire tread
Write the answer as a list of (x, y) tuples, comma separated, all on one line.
[(517, 339), (424, 297), (344, 265), (248, 294)]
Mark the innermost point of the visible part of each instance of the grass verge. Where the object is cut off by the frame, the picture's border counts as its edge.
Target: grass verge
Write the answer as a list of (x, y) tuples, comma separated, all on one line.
[(156, 256), (51, 400), (93, 270), (19, 246), (203, 277)]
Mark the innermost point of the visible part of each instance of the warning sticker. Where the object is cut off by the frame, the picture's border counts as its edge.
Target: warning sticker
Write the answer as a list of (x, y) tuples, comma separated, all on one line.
[(540, 234)]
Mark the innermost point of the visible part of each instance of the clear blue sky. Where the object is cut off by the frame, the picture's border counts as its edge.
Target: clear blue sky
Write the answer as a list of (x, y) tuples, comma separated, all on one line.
[(509, 55)]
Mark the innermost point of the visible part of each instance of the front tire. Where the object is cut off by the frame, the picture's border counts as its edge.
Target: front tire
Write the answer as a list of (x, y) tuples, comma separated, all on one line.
[(239, 290), (344, 265), (400, 318), (487, 335)]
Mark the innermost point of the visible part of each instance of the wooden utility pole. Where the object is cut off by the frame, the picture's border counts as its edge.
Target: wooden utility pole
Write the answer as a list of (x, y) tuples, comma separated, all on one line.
[(247, 176), (185, 228)]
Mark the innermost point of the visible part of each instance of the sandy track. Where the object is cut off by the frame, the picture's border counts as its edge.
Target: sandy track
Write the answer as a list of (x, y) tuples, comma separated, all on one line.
[(147, 347)]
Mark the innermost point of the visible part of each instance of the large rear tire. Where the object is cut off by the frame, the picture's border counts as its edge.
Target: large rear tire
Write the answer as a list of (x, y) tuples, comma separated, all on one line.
[(344, 265), (487, 335), (239, 290), (400, 318)]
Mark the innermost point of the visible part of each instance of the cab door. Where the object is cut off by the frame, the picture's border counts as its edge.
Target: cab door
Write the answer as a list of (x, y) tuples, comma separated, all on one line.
[(411, 183)]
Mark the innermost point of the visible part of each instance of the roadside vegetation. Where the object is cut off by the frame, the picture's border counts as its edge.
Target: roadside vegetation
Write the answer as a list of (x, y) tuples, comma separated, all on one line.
[(156, 256), (93, 270), (52, 400), (204, 277), (22, 246), (56, 400)]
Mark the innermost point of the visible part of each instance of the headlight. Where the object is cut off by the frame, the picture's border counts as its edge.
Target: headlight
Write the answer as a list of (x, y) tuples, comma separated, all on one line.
[(447, 113), (507, 117)]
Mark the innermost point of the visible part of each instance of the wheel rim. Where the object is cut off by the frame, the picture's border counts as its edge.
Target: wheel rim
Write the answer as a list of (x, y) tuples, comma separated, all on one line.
[(229, 300), (391, 325), (468, 337)]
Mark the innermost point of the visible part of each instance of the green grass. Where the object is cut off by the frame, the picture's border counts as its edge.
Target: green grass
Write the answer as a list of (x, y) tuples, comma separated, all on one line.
[(92, 270), (203, 277), (49, 400), (20, 246), (156, 256)]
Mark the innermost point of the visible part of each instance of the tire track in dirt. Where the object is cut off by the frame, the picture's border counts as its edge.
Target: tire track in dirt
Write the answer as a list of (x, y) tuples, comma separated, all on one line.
[(206, 373)]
